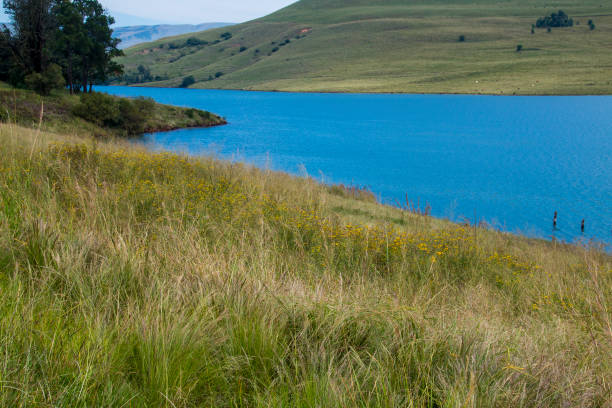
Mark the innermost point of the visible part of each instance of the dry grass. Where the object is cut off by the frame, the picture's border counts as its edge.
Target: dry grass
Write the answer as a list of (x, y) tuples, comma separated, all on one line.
[(131, 278)]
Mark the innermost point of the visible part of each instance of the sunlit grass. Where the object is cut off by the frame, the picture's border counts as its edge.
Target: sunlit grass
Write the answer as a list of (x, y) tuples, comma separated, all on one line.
[(132, 278)]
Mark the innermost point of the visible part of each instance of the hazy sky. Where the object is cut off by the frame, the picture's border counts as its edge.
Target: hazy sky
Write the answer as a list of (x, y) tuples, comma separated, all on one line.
[(194, 11), (135, 12)]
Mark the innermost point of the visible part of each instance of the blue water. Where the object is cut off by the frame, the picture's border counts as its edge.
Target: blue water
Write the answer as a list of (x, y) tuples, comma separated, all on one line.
[(512, 161)]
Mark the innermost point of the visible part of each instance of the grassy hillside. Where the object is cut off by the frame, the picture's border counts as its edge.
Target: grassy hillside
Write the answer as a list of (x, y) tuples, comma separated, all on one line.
[(60, 113), (397, 46), (135, 279)]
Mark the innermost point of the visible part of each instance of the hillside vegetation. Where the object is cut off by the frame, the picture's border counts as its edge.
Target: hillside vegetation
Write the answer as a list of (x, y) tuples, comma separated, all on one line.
[(98, 114), (396, 46), (139, 279)]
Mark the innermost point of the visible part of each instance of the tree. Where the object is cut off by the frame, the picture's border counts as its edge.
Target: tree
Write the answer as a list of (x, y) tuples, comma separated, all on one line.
[(85, 44), (48, 80), (559, 19), (75, 34), (32, 28), (188, 81), (70, 38), (99, 47)]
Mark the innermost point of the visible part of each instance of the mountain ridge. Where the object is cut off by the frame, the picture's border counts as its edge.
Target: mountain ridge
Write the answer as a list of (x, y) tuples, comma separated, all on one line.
[(137, 34)]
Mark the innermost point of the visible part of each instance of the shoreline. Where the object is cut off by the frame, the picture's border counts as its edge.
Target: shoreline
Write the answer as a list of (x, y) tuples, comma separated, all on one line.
[(368, 92)]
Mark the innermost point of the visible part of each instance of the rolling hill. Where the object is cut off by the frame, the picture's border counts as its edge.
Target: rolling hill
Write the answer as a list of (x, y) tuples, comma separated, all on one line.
[(134, 35), (395, 46)]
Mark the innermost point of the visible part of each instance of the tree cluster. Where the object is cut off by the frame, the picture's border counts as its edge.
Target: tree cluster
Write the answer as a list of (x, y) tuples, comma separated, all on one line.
[(559, 19), (52, 43)]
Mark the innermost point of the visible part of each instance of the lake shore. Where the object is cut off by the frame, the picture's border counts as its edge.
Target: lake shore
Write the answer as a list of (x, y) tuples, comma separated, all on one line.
[(361, 92), (63, 113)]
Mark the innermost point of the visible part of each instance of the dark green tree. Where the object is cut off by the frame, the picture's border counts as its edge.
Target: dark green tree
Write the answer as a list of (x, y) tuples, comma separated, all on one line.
[(559, 19), (32, 28), (99, 47), (70, 39), (188, 81)]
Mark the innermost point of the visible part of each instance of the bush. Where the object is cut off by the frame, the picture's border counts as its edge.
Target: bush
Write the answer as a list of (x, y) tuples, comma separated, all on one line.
[(226, 35), (188, 81), (104, 110), (134, 114), (44, 83), (243, 48), (194, 42), (591, 25), (519, 48), (462, 38), (98, 108), (218, 74), (559, 19)]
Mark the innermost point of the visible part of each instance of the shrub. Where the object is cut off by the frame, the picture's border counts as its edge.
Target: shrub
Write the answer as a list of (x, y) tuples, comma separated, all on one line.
[(519, 48), (194, 42), (218, 74), (559, 19), (591, 25), (98, 108), (275, 49), (132, 116), (243, 48), (43, 83), (226, 35), (188, 81), (462, 38), (548, 30)]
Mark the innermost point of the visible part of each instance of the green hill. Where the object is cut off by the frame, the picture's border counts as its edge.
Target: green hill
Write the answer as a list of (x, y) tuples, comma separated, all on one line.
[(395, 46)]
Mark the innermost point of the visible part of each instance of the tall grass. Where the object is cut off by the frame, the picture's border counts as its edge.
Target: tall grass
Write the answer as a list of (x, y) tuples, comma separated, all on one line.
[(131, 278)]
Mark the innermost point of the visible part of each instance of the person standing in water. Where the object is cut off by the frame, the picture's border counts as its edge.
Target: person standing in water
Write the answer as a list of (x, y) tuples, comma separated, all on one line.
[(582, 226), (555, 221)]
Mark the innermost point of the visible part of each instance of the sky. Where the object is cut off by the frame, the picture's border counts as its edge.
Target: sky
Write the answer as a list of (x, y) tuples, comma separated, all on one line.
[(191, 11), (145, 12)]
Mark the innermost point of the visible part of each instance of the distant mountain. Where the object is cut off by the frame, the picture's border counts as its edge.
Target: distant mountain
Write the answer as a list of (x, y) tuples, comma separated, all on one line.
[(417, 46), (133, 35)]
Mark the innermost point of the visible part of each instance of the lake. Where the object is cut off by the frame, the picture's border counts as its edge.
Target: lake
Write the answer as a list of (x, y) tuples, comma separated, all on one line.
[(509, 160)]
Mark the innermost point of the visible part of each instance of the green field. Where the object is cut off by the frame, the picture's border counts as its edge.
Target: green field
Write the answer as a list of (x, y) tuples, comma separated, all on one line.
[(397, 46), (138, 279)]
